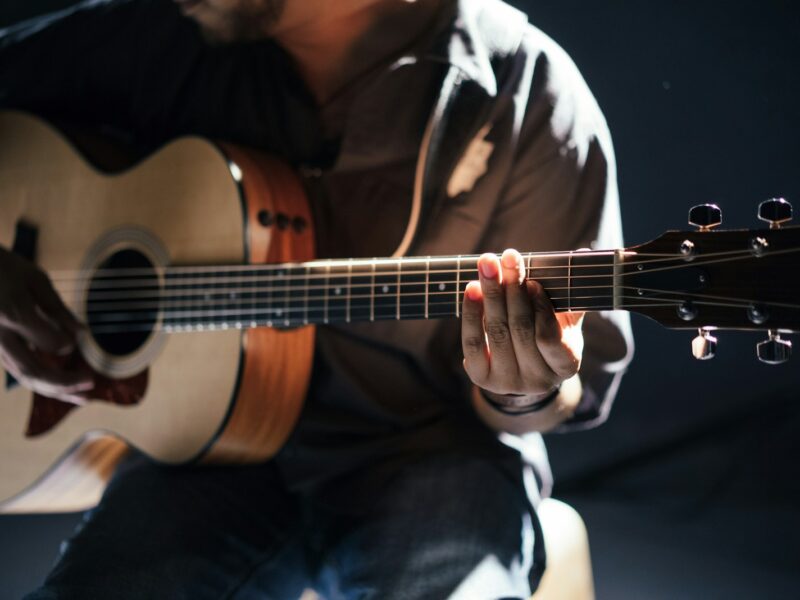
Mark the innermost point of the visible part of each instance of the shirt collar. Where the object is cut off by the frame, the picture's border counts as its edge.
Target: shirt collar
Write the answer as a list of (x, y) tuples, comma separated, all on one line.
[(462, 43)]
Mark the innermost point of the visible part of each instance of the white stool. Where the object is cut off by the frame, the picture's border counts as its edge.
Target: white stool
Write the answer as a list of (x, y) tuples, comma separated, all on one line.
[(569, 566)]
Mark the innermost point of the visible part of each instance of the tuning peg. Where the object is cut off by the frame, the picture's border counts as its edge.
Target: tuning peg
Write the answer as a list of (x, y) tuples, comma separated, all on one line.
[(774, 350), (705, 216), (704, 346), (775, 211)]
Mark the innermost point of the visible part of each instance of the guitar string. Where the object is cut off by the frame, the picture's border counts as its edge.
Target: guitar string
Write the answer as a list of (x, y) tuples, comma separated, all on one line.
[(243, 324), (215, 303), (157, 294), (221, 291), (282, 308), (176, 283), (82, 276), (282, 311), (177, 288)]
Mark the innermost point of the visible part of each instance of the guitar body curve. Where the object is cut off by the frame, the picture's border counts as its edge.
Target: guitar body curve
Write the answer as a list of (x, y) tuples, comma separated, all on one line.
[(219, 396)]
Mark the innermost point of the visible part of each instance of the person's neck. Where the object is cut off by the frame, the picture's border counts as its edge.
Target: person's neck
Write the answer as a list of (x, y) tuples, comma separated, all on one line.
[(333, 50)]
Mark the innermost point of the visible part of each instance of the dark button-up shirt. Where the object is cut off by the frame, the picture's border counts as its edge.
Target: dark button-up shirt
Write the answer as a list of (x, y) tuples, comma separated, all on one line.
[(386, 390)]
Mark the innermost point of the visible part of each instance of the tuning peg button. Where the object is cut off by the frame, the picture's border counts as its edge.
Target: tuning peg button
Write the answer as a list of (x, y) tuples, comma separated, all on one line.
[(774, 350), (775, 211), (705, 216), (704, 346)]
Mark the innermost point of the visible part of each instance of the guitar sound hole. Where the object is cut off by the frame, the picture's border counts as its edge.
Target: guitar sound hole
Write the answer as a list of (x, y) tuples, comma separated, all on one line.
[(122, 309)]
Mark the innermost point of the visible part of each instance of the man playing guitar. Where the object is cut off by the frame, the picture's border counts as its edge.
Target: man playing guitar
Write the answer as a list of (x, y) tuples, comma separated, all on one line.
[(394, 483)]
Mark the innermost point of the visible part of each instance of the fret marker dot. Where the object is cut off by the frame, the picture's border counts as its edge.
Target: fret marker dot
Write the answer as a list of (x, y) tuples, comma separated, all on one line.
[(441, 287), (279, 312), (338, 291), (385, 289)]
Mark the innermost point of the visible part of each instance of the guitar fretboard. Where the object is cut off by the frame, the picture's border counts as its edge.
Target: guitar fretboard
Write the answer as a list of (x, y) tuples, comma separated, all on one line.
[(336, 291)]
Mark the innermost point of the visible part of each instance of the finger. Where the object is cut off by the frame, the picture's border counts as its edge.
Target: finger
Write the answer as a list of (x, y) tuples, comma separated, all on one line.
[(53, 306), (37, 374), (558, 356), (503, 367), (572, 331), (473, 339), (33, 325), (521, 322)]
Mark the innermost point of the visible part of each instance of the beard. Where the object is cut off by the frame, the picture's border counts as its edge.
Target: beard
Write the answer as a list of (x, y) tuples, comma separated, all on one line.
[(246, 20)]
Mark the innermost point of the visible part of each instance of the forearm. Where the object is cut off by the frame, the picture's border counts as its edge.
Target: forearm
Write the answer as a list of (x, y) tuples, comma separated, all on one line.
[(544, 420)]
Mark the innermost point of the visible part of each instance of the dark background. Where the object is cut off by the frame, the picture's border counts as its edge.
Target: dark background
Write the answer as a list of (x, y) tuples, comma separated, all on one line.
[(690, 490)]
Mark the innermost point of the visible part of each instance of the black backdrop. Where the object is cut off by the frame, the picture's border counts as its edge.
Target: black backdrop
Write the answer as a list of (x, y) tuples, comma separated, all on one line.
[(689, 490)]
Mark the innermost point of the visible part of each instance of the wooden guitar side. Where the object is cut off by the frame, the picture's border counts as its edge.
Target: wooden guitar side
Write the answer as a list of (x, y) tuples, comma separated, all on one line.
[(277, 363)]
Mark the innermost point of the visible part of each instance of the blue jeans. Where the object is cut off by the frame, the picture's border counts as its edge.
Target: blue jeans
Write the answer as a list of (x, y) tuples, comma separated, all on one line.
[(444, 526)]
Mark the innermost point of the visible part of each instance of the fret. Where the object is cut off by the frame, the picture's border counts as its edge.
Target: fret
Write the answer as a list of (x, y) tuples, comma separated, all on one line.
[(360, 291), (338, 285), (427, 282), (441, 285), (242, 299), (263, 297), (238, 305), (220, 297), (247, 317), (327, 290), (203, 299), (413, 290), (191, 301), (372, 294), (458, 286), (305, 296), (387, 290), (468, 271), (399, 270), (569, 283), (348, 290), (250, 278), (317, 294), (295, 287)]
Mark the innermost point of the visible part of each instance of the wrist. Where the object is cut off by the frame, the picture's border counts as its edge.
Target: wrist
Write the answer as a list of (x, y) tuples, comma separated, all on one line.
[(520, 404)]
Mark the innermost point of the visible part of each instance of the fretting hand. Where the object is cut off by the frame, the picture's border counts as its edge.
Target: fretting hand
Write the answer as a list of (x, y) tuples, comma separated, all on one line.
[(516, 348)]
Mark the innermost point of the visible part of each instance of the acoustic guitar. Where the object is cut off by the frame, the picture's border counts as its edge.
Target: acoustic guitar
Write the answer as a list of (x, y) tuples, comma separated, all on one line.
[(195, 274)]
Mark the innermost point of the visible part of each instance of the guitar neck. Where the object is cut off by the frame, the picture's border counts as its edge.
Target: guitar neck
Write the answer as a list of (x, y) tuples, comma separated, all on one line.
[(343, 291)]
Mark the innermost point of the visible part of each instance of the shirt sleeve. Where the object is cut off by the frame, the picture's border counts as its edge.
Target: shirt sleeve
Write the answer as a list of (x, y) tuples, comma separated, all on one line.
[(561, 194), (77, 65)]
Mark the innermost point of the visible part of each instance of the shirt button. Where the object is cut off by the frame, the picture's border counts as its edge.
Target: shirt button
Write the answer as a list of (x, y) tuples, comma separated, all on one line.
[(310, 171)]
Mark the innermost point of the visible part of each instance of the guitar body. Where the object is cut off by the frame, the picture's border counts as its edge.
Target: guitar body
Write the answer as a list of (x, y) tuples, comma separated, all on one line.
[(218, 396)]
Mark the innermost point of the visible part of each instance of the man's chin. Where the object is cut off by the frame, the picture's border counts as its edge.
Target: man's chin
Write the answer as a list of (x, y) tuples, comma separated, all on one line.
[(220, 32), (230, 26)]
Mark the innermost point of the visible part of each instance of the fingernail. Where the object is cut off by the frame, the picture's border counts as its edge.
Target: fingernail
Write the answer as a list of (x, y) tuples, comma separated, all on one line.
[(488, 268), (509, 260), (66, 349), (83, 386), (474, 292)]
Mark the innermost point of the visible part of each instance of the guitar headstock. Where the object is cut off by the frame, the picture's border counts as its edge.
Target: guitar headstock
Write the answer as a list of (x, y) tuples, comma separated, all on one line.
[(711, 279)]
